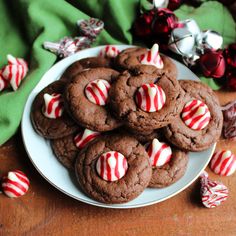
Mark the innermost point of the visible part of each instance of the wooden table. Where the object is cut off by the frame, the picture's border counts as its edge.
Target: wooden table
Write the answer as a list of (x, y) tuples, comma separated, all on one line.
[(46, 211)]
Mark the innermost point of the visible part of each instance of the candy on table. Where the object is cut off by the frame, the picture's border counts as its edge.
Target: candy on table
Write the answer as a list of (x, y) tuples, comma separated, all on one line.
[(159, 153), (15, 184), (152, 57), (112, 166), (53, 106), (229, 124), (196, 115), (150, 97), (3, 83), (97, 91), (213, 193), (15, 71), (223, 163), (109, 51), (84, 137)]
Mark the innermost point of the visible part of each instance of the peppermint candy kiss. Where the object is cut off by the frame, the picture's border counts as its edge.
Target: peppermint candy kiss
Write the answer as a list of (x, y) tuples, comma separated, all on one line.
[(3, 83), (223, 163), (111, 166), (150, 97), (15, 71), (159, 153), (213, 193), (196, 115), (84, 137), (109, 51), (53, 107), (15, 184), (152, 57), (97, 91)]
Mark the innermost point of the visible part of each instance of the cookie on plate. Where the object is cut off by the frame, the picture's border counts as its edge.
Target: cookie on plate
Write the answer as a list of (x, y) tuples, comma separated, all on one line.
[(48, 115), (168, 164), (144, 101), (66, 149), (146, 61), (86, 99), (199, 124), (113, 169), (83, 64)]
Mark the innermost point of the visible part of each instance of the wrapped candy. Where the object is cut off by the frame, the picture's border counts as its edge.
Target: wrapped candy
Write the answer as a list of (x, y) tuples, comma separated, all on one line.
[(68, 46), (213, 193), (3, 83), (91, 27), (229, 125), (212, 64)]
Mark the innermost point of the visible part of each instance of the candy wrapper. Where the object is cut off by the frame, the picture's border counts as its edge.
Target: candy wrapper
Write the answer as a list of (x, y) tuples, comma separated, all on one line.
[(67, 46), (213, 193), (229, 125)]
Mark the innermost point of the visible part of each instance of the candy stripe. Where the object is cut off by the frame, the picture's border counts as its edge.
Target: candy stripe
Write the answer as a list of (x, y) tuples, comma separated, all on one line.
[(97, 92), (85, 137), (109, 51), (152, 57), (159, 153), (15, 184), (223, 163), (3, 82), (111, 166), (150, 97), (196, 115), (53, 106)]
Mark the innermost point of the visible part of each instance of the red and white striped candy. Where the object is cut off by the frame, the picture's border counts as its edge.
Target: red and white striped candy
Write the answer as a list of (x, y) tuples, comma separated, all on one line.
[(196, 115), (3, 83), (15, 184), (223, 163), (152, 57), (15, 71), (110, 51), (150, 97), (97, 91), (84, 137), (213, 193), (53, 105), (159, 153), (111, 166)]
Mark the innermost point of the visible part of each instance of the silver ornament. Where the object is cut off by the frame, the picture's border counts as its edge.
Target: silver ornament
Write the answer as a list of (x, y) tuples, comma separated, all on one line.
[(191, 25), (160, 3), (191, 60), (181, 41), (210, 39)]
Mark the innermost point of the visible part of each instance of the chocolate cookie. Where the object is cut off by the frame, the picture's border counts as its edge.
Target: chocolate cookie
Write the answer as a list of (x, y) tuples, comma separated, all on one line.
[(65, 150), (106, 185), (51, 128), (184, 137), (123, 101), (90, 113), (129, 59), (82, 64)]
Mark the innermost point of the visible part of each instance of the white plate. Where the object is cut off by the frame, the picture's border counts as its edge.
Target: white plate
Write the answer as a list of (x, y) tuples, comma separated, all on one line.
[(45, 162)]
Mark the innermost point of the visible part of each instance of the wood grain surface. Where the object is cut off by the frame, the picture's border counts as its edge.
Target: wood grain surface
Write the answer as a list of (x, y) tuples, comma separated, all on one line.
[(46, 211)]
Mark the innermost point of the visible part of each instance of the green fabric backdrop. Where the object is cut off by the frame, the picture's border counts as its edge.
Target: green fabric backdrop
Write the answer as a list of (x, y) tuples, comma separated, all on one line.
[(26, 24)]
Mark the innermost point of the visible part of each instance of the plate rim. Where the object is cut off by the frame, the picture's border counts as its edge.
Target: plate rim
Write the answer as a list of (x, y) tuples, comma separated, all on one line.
[(96, 203)]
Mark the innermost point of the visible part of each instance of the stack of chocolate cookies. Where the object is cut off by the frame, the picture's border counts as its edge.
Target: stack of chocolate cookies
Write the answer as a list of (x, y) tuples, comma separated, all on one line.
[(122, 122)]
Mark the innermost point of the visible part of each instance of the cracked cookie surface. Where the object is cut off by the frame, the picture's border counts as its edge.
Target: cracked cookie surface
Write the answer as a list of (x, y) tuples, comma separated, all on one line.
[(128, 59), (122, 101), (123, 190), (84, 112), (170, 172), (46, 127), (196, 140)]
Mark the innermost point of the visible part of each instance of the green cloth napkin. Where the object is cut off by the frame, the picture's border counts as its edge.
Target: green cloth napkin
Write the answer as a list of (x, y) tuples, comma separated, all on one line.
[(26, 24)]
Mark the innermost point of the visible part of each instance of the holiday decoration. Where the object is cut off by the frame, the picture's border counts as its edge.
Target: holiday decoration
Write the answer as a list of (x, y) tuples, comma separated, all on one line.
[(213, 193), (15, 184), (230, 55), (231, 79), (109, 51)]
